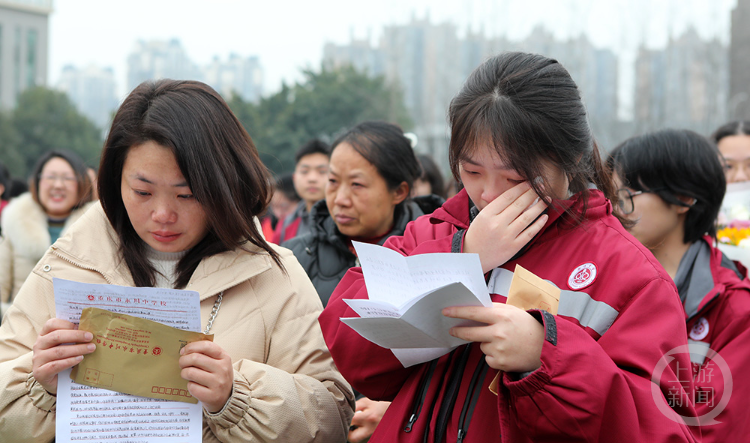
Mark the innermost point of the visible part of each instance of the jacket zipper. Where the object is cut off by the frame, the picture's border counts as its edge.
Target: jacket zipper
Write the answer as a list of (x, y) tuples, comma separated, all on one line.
[(54, 251), (423, 388), (451, 394), (472, 396)]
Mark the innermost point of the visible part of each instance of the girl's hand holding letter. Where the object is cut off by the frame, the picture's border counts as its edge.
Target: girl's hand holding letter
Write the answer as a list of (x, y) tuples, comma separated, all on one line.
[(511, 340), (208, 370), (59, 346)]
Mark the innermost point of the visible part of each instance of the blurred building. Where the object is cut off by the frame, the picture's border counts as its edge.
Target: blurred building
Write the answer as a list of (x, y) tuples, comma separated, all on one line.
[(684, 85), (358, 53), (238, 75), (594, 70), (93, 91), (419, 56), (739, 63), (24, 31), (430, 62), (160, 59)]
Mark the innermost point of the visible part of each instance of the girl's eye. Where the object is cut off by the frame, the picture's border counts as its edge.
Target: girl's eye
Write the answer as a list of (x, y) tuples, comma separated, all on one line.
[(471, 172), (186, 196), (141, 193), (332, 181), (516, 182)]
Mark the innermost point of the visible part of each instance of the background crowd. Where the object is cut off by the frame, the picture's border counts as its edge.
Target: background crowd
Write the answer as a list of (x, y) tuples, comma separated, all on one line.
[(646, 210)]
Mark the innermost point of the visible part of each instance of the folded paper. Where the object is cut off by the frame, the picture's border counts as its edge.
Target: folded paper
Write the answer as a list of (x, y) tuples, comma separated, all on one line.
[(528, 291), (134, 356)]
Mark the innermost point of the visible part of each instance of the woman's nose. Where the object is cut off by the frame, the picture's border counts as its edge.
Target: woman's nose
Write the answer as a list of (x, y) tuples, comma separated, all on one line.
[(741, 175), (492, 191), (164, 214), (342, 197)]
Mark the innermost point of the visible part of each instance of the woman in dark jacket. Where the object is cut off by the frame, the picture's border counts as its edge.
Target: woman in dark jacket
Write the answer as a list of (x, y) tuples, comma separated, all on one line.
[(370, 177), (372, 171)]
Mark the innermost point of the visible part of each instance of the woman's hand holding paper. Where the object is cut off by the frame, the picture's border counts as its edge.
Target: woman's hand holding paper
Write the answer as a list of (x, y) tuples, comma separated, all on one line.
[(505, 226), (208, 370), (511, 339), (59, 346)]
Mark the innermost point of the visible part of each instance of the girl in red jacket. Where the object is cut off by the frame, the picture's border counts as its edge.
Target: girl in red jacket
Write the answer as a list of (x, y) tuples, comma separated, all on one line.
[(671, 186), (607, 367)]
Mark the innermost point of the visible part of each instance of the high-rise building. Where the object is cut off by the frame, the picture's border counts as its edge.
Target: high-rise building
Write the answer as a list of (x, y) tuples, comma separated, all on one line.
[(684, 85), (430, 63), (421, 58), (93, 92), (358, 53), (160, 59), (23, 47), (238, 75), (739, 63), (594, 70)]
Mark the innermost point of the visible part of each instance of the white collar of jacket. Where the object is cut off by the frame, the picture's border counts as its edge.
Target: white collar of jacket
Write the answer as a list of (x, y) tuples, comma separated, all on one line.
[(24, 222), (93, 244)]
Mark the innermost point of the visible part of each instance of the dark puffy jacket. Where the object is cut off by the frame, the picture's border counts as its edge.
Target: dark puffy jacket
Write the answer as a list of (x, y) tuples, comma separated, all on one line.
[(324, 252)]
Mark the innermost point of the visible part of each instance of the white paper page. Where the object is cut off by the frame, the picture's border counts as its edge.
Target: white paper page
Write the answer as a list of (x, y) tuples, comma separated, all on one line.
[(386, 274), (410, 357), (431, 271), (423, 325), (85, 413), (368, 308)]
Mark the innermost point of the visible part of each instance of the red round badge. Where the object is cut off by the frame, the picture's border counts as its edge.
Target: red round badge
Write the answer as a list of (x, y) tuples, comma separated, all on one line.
[(582, 276)]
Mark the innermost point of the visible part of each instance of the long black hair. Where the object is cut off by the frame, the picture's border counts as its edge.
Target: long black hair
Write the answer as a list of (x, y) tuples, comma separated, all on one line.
[(216, 156)]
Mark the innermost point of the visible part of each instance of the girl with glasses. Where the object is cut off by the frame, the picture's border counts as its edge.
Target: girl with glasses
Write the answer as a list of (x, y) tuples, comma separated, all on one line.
[(676, 185), (60, 192), (536, 194)]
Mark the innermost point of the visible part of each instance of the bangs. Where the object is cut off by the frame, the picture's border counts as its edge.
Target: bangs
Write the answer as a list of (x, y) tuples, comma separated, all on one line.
[(638, 169), (479, 125), (494, 122)]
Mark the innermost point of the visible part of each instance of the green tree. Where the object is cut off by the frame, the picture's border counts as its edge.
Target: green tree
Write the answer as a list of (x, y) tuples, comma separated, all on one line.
[(323, 104), (10, 152), (45, 120)]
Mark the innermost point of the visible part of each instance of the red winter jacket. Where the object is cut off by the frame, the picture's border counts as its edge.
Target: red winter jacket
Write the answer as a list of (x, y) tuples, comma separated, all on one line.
[(717, 303), (599, 353)]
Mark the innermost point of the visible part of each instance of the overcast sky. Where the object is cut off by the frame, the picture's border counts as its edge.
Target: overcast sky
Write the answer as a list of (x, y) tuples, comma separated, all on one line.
[(288, 35)]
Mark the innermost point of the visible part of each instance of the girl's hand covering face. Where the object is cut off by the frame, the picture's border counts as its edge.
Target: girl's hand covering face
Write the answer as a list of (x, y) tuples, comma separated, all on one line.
[(59, 346), (511, 340), (505, 226)]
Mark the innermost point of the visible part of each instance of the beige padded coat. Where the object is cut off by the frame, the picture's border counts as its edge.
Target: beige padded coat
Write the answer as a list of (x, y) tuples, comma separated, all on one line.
[(286, 387), (25, 239)]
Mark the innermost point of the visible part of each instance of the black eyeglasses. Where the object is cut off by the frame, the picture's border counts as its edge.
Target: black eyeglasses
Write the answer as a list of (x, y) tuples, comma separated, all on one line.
[(625, 199)]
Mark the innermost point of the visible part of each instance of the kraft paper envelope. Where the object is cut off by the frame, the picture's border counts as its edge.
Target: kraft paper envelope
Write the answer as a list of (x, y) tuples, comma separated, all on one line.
[(528, 291), (134, 356)]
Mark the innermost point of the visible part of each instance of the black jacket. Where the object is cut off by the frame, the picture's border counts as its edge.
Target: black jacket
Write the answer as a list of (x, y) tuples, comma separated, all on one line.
[(324, 252)]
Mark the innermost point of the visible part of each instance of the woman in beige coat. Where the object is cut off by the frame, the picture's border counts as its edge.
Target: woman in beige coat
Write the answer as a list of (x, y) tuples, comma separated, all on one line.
[(60, 193), (180, 186)]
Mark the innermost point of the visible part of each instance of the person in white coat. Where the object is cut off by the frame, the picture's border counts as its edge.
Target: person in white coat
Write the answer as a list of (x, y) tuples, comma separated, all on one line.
[(59, 194)]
